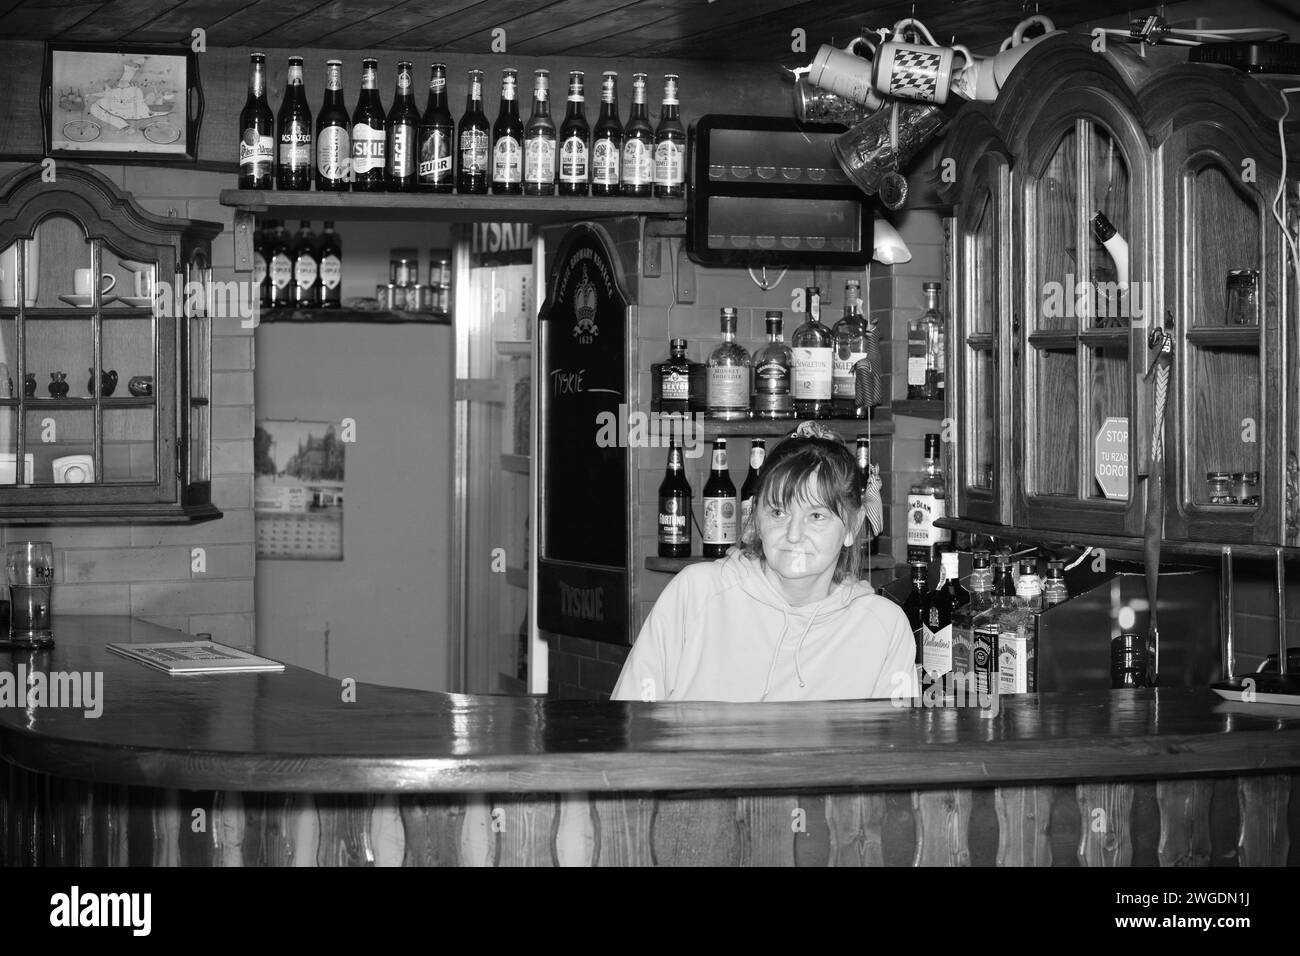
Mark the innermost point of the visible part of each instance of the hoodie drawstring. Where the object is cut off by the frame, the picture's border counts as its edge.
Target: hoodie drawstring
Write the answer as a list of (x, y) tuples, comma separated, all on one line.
[(785, 626), (802, 637)]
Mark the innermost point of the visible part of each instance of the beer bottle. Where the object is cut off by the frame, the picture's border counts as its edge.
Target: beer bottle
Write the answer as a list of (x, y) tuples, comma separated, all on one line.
[(293, 170), (675, 507), (306, 268), (606, 140), (757, 455), (280, 265), (574, 136), (403, 127), (333, 134), (670, 146), (912, 608), (637, 174), (256, 131), (539, 141), (473, 138), (508, 139), (437, 137), (369, 133), (331, 268), (721, 509)]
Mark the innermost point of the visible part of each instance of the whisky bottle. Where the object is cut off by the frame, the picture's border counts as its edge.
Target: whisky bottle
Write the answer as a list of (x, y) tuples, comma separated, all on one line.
[(728, 374), (812, 346), (772, 398), (927, 500), (912, 608), (851, 343), (670, 382), (981, 599), (937, 610)]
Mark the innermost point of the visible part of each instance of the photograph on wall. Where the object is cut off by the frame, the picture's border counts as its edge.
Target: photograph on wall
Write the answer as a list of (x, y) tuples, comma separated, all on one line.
[(298, 490)]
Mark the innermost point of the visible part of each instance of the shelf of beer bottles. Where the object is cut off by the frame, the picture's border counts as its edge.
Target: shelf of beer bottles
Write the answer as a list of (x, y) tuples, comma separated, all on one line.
[(449, 207), (879, 562), (371, 317)]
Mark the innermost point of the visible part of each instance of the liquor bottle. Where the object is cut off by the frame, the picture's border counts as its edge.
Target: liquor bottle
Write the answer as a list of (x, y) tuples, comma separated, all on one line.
[(868, 543), (333, 135), (772, 398), (728, 374), (306, 267), (280, 265), (261, 268), (927, 500), (293, 169), (508, 140), (670, 382), (437, 137), (812, 347), (757, 455), (637, 173), (912, 608), (675, 507), (539, 140), (986, 628), (574, 137), (925, 349), (607, 140), (981, 599), (937, 610), (1054, 589), (851, 336), (473, 141), (670, 146), (369, 133), (1018, 635), (721, 509), (402, 160), (331, 268), (256, 131)]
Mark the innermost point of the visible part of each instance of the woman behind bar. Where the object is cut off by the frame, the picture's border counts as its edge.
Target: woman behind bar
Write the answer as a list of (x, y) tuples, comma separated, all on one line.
[(782, 617)]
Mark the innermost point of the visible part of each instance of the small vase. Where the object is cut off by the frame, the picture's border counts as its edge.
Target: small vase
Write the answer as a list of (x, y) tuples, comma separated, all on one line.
[(58, 385), (107, 382), (29, 385), (140, 385)]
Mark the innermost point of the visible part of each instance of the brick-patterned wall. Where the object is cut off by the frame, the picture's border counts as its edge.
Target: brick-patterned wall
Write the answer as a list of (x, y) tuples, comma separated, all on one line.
[(145, 570)]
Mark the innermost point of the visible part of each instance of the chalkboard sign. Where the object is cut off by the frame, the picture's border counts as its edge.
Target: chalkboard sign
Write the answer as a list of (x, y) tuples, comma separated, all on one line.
[(583, 555)]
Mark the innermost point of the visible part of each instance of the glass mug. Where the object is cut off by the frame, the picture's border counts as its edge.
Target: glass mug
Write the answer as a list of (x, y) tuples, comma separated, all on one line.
[(30, 569), (1243, 297)]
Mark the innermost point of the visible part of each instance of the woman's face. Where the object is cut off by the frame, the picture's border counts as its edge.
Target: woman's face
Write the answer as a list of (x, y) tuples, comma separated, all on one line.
[(803, 539)]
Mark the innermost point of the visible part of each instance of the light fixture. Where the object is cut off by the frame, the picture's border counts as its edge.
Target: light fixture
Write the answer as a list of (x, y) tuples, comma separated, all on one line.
[(890, 249)]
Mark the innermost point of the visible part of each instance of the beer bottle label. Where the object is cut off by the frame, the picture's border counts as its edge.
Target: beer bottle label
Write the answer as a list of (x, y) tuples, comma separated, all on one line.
[(474, 151), (674, 519), (435, 156), (256, 153), (811, 374), (331, 271), (506, 166), (573, 160), (334, 152), (669, 168), (720, 516), (728, 386), (539, 160), (295, 147), (403, 158), (746, 509), (843, 380), (281, 271), (367, 148), (304, 272), (604, 162), (260, 269), (637, 163)]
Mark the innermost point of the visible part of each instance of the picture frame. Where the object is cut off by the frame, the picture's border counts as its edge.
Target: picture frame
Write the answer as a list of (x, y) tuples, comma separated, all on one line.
[(121, 103)]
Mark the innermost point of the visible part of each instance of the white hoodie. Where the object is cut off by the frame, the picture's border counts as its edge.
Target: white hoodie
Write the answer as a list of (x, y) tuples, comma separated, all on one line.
[(721, 631)]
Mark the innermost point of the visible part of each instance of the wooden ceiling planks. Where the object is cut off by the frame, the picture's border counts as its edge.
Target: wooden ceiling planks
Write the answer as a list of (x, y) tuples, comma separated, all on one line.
[(595, 37), (118, 18), (176, 24), (44, 21), (248, 25)]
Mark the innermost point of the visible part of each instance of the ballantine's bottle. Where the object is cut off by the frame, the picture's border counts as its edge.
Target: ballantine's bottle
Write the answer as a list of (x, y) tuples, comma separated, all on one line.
[(937, 612), (293, 169), (256, 131)]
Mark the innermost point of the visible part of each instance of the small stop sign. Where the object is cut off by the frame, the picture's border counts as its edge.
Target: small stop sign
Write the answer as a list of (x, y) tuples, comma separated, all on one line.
[(1110, 458)]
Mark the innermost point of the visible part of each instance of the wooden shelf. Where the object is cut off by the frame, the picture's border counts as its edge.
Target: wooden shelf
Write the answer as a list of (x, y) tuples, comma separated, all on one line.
[(517, 578), (445, 207), (519, 464), (848, 428), (515, 347), (917, 408), (125, 401), (377, 317), (879, 562), (1225, 337), (69, 313)]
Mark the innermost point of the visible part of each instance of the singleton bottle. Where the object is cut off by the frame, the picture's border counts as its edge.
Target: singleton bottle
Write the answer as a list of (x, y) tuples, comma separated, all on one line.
[(1017, 634), (331, 268), (333, 135), (963, 635), (851, 343), (574, 137), (670, 382), (812, 346), (986, 627), (261, 267), (772, 398), (402, 163), (757, 455), (256, 131), (539, 140), (721, 508), (473, 141), (437, 137), (281, 266), (912, 608), (670, 146), (607, 140), (637, 173), (927, 500), (369, 133), (675, 507), (728, 374), (294, 168), (508, 140), (306, 267), (937, 612)]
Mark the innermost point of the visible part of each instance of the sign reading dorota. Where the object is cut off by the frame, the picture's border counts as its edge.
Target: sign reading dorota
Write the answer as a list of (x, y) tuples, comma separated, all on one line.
[(1110, 458)]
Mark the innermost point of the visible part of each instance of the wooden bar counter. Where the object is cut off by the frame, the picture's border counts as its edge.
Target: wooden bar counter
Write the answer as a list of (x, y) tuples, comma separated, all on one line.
[(301, 769)]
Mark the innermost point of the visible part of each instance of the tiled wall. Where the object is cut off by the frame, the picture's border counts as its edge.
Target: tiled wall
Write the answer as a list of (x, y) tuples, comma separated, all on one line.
[(146, 570)]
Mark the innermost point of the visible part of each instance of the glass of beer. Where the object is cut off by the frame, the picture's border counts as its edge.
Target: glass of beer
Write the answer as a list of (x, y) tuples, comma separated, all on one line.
[(30, 566)]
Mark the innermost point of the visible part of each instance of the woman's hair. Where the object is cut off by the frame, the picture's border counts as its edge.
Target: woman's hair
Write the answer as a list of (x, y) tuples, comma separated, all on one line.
[(811, 465)]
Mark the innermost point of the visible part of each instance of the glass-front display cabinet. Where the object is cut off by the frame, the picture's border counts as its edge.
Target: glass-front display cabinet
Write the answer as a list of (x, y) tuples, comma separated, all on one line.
[(105, 347)]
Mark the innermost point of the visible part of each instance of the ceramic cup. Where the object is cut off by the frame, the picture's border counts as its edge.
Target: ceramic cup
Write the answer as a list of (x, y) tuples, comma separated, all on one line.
[(914, 71), (142, 278), (81, 279), (845, 72), (9, 274)]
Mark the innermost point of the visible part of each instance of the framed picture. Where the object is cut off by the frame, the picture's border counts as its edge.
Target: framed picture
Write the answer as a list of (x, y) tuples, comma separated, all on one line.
[(121, 103)]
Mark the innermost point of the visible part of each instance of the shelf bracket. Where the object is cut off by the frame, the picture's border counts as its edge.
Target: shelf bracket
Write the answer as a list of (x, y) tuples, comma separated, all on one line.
[(652, 256), (245, 227)]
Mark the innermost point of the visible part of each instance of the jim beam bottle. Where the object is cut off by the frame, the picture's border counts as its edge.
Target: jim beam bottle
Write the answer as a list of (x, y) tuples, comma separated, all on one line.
[(437, 137), (772, 398), (637, 173), (721, 508), (473, 141), (757, 455), (575, 135), (256, 131), (331, 268), (293, 168), (402, 162), (728, 374), (927, 500), (670, 146), (607, 140), (812, 346), (369, 133), (539, 140), (675, 507), (508, 140), (333, 135)]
